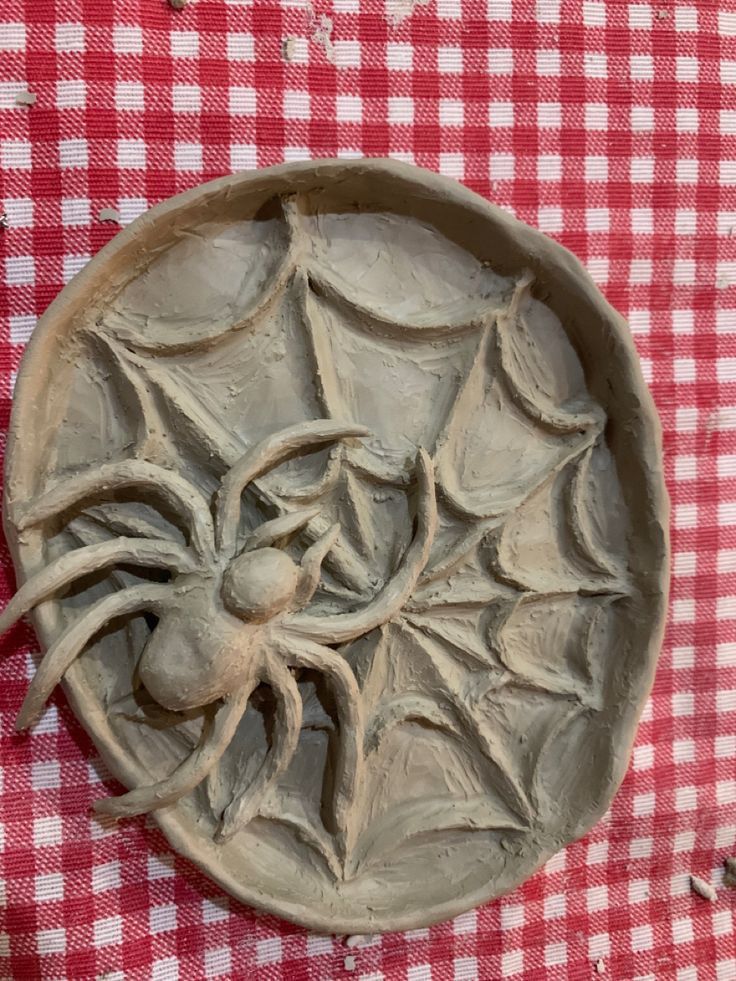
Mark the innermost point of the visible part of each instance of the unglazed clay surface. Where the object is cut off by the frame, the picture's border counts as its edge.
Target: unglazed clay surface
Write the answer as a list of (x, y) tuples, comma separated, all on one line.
[(341, 496)]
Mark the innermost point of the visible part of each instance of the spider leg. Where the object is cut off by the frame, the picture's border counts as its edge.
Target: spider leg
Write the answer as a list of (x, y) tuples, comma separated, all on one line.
[(118, 521), (72, 642), (349, 763), (245, 806), (311, 566), (287, 524), (175, 491), (216, 736), (319, 488), (80, 562), (343, 627), (264, 456)]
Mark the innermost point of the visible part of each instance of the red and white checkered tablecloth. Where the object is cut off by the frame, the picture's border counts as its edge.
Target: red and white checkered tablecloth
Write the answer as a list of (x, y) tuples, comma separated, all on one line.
[(611, 126)]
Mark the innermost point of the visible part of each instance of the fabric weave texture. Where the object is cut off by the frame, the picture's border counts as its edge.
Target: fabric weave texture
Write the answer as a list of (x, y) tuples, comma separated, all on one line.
[(609, 125)]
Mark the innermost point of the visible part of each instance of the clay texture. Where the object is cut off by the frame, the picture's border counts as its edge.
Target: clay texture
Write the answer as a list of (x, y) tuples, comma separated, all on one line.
[(338, 498)]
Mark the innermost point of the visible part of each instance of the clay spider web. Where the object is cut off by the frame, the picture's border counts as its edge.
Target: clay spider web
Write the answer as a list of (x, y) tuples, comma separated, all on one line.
[(471, 617)]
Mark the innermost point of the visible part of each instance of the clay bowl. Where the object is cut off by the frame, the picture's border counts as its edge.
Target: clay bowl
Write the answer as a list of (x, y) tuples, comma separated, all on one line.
[(375, 488)]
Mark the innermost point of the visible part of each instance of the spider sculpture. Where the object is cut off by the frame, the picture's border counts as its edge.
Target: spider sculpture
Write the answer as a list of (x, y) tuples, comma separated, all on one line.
[(229, 618)]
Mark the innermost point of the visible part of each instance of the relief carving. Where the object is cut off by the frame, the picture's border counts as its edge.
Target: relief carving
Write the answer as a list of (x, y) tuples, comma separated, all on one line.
[(348, 581)]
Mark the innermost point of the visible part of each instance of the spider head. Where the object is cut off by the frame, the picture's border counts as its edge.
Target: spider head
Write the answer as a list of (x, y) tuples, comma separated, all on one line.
[(259, 584)]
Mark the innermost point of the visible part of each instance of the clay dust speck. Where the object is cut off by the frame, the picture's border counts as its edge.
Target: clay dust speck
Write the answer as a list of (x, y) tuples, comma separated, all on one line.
[(109, 215), (26, 98)]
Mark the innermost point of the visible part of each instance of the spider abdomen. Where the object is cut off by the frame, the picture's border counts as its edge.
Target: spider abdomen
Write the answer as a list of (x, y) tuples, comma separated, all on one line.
[(197, 654)]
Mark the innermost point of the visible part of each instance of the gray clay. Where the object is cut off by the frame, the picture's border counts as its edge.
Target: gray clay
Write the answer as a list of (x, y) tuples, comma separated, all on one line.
[(337, 498), (703, 889), (26, 99), (109, 214), (729, 876)]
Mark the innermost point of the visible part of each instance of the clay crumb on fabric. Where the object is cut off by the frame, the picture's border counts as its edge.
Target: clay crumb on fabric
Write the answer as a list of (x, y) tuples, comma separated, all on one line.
[(702, 888), (322, 34), (288, 48), (109, 214), (25, 98), (4, 223), (357, 940), (729, 879), (399, 10), (178, 4), (349, 963), (600, 966)]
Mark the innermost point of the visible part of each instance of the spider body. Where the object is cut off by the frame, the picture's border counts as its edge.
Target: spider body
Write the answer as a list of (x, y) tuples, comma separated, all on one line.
[(232, 617), (212, 633), (198, 651)]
